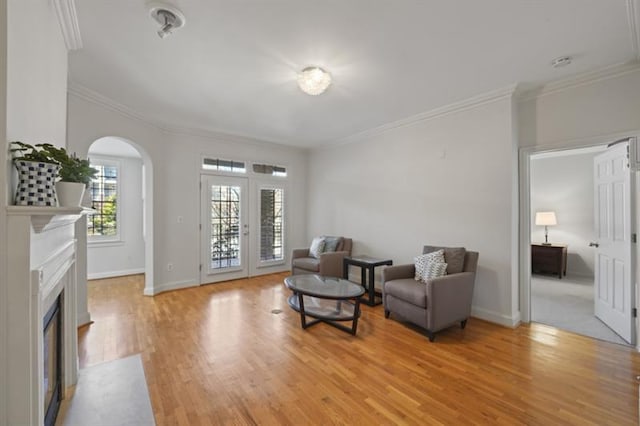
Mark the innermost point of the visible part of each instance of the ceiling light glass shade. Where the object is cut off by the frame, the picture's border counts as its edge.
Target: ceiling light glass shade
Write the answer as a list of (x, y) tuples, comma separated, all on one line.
[(313, 80)]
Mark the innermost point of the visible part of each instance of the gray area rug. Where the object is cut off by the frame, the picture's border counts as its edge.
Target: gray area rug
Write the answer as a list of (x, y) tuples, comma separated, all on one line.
[(110, 394), (568, 304)]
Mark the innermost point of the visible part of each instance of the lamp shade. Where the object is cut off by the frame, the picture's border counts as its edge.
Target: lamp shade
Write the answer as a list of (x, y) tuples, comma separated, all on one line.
[(546, 218)]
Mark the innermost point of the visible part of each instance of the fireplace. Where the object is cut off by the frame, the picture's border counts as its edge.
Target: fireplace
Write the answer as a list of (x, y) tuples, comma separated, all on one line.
[(40, 359), (52, 358)]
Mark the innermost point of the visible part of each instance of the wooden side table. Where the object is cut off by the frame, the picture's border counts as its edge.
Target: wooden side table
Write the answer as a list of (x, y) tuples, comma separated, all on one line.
[(366, 263), (549, 258)]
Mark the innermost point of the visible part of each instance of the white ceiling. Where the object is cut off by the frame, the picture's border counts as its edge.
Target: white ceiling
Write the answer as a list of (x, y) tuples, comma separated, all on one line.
[(232, 67)]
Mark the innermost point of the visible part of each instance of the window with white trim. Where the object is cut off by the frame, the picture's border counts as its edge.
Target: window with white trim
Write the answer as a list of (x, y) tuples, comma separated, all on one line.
[(221, 165), (271, 224), (104, 189)]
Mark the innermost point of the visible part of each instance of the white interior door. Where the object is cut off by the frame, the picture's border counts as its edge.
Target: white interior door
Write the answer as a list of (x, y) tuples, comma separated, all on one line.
[(614, 293), (225, 228)]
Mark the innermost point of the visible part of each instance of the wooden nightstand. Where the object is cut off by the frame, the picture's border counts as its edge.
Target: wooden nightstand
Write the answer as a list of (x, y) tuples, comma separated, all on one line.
[(549, 259)]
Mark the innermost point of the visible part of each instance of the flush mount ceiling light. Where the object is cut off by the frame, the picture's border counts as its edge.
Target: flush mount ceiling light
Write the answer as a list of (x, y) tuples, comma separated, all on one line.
[(562, 61), (169, 17), (313, 80)]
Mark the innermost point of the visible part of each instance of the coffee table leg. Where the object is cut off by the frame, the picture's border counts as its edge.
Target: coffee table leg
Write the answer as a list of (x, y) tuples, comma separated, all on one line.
[(356, 315), (303, 320)]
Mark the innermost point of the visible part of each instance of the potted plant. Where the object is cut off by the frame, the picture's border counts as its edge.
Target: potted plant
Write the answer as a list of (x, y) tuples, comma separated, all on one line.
[(75, 175), (37, 173)]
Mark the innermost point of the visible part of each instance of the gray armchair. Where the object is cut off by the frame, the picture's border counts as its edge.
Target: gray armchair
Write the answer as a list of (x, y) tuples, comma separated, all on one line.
[(436, 304), (329, 264)]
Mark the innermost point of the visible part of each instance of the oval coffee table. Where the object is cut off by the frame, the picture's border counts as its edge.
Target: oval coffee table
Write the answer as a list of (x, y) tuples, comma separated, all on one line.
[(327, 299)]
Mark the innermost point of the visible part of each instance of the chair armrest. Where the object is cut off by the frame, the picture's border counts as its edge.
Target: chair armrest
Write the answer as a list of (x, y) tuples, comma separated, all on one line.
[(449, 299), (297, 253), (331, 263), (396, 272)]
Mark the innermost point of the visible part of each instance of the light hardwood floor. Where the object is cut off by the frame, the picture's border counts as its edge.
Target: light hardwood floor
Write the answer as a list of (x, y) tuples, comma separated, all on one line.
[(218, 355)]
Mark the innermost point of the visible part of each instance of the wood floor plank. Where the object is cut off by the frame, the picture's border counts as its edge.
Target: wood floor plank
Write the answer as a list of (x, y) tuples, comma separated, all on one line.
[(223, 354)]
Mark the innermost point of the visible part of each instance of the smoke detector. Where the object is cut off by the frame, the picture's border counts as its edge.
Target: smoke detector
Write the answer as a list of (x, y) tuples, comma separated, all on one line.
[(169, 17)]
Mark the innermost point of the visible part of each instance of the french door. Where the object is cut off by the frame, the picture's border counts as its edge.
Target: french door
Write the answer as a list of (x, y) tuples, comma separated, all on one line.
[(229, 211), (225, 228)]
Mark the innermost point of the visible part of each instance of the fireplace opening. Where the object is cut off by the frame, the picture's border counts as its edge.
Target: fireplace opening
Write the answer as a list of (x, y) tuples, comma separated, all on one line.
[(52, 326)]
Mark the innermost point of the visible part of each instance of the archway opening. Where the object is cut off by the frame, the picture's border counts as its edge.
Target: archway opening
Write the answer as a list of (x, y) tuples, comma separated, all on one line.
[(120, 233)]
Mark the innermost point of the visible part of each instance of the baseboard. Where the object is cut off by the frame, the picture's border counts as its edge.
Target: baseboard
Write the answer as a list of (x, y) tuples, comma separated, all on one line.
[(111, 274), (176, 285), (496, 317), (84, 319)]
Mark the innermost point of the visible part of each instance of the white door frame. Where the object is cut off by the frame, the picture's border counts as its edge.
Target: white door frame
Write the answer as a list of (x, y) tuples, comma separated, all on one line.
[(243, 270), (525, 211)]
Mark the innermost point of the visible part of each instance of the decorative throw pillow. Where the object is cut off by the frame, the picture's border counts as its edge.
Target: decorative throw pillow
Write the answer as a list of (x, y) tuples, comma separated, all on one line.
[(317, 247), (422, 260), (454, 256), (331, 244), (434, 270)]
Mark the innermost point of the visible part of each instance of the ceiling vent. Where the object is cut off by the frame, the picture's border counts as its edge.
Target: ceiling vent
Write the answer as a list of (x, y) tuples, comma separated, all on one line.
[(169, 17)]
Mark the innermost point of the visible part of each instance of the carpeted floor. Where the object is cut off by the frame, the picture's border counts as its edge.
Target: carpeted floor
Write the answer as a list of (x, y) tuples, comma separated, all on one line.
[(568, 304), (110, 394)]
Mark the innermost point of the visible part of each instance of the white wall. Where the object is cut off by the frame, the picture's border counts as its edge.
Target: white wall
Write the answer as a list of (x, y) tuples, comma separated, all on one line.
[(176, 174), (564, 184), (126, 256), (33, 102), (444, 181)]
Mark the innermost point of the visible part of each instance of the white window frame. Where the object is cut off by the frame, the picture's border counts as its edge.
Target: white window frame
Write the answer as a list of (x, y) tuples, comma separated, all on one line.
[(109, 240), (265, 185)]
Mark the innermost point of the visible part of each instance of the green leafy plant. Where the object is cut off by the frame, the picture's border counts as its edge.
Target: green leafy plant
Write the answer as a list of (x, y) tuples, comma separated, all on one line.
[(40, 153), (72, 168)]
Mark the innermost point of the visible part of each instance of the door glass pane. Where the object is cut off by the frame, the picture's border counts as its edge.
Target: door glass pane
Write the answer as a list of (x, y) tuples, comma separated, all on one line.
[(271, 224), (225, 226)]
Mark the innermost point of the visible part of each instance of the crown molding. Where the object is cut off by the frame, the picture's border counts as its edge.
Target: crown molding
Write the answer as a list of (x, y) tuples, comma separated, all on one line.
[(633, 16), (68, 19), (96, 98), (466, 104), (582, 79)]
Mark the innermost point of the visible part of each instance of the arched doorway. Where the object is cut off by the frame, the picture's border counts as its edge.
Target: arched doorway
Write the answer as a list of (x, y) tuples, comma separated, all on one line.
[(120, 234)]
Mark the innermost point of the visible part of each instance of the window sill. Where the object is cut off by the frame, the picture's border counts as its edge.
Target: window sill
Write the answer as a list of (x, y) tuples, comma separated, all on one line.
[(106, 243)]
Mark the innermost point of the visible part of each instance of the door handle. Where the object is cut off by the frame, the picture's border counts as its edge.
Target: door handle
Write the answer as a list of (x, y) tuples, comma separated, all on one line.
[(592, 244)]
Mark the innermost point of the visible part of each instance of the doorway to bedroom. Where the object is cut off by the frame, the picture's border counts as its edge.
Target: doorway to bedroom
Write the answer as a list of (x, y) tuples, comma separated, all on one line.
[(564, 242)]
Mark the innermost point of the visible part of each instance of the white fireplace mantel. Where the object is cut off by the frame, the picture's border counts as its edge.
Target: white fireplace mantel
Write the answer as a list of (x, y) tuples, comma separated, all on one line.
[(46, 218), (41, 265)]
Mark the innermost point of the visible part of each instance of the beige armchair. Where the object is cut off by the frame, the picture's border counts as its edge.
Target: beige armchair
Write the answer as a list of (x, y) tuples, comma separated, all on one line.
[(436, 304), (329, 264)]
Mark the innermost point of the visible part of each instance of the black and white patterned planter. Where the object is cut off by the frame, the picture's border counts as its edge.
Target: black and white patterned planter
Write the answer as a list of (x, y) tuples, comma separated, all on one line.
[(36, 184)]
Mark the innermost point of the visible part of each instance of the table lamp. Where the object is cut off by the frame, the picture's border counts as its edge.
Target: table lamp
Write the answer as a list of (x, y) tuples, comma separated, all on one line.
[(546, 219)]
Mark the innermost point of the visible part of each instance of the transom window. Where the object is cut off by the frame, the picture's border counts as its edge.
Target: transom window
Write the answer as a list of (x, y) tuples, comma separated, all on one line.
[(224, 165), (104, 189), (267, 169)]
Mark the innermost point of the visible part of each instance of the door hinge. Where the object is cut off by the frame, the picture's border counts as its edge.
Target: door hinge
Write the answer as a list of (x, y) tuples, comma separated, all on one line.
[(634, 312), (201, 267), (634, 238), (200, 226)]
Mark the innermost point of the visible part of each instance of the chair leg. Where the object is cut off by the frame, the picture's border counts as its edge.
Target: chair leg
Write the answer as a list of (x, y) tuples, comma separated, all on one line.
[(386, 313), (463, 323), (431, 335)]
